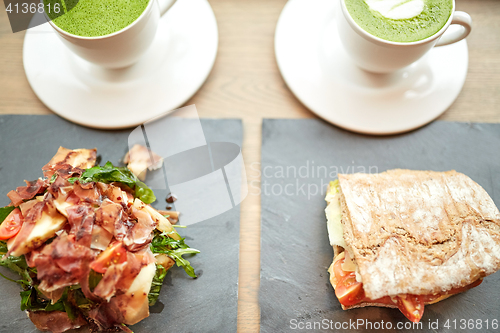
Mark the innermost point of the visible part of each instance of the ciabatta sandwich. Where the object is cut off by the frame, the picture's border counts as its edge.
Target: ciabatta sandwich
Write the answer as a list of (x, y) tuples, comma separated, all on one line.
[(404, 239)]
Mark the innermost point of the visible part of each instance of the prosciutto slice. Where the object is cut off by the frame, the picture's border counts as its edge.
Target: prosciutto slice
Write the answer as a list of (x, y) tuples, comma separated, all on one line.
[(113, 219), (78, 158), (81, 219), (107, 286), (54, 321), (27, 192), (60, 186), (62, 263), (63, 170), (141, 233), (107, 315), (87, 192)]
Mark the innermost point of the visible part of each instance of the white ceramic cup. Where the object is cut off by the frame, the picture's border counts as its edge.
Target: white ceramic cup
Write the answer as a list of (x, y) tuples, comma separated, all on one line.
[(122, 48), (378, 55)]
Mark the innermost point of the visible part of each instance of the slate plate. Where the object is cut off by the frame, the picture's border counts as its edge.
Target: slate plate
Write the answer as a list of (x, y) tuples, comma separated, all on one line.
[(207, 304), (299, 157)]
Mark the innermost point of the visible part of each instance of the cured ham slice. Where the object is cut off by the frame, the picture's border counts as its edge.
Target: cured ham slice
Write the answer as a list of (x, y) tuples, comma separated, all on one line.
[(27, 192), (78, 158), (62, 263), (87, 192), (81, 219), (140, 234), (55, 321), (120, 276), (113, 219)]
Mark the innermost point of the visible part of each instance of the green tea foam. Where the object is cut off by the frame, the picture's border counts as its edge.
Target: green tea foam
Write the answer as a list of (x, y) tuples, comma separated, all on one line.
[(92, 18), (400, 20)]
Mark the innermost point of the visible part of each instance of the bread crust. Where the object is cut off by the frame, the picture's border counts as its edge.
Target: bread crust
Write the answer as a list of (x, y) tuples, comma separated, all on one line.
[(438, 228)]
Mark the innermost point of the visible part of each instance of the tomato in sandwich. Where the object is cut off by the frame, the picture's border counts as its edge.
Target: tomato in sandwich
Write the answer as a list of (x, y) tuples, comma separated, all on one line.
[(348, 290), (351, 292)]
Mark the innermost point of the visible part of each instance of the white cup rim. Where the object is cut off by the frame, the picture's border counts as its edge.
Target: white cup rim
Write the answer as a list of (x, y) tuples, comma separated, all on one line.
[(382, 41), (65, 33)]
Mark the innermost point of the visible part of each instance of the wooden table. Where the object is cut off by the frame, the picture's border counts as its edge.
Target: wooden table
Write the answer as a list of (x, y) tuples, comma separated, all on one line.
[(245, 83)]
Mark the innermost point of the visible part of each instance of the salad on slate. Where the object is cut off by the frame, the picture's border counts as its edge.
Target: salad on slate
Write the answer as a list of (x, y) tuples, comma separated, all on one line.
[(88, 247)]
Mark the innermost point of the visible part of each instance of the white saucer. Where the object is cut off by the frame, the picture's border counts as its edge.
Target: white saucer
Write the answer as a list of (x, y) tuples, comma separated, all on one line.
[(319, 72), (169, 73)]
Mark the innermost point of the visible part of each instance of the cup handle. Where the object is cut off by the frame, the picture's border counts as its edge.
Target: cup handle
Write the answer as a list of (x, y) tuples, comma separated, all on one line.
[(165, 5), (450, 37)]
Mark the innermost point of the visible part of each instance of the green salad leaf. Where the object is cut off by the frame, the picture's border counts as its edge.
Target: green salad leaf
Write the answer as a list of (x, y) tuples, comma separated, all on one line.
[(30, 300), (110, 173), (17, 265), (94, 279), (53, 178), (5, 211), (180, 261), (175, 249), (76, 297), (154, 292)]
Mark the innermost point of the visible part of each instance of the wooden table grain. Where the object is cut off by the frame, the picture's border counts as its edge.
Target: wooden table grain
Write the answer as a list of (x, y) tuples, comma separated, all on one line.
[(245, 83)]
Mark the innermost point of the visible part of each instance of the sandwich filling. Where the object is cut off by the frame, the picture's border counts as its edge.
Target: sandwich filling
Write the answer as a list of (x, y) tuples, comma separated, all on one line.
[(347, 280)]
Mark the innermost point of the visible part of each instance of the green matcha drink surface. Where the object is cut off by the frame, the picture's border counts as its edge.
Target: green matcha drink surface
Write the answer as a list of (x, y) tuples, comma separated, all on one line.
[(433, 17), (92, 18)]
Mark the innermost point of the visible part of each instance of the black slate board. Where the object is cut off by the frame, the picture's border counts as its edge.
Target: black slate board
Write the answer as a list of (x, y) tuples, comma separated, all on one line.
[(295, 253), (207, 304)]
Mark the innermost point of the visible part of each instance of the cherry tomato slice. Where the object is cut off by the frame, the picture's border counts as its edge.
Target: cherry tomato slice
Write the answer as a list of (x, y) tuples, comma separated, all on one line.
[(347, 290), (412, 306), (11, 225), (115, 254), (350, 293)]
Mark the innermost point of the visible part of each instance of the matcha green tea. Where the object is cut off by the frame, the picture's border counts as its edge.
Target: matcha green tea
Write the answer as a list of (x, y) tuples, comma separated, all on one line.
[(400, 20), (92, 18)]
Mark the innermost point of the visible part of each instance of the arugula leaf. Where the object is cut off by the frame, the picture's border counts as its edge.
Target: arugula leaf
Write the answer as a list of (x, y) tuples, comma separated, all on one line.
[(156, 285), (78, 298), (110, 173), (94, 279), (71, 310), (31, 301), (180, 261), (53, 178), (5, 211), (17, 265), (175, 249)]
